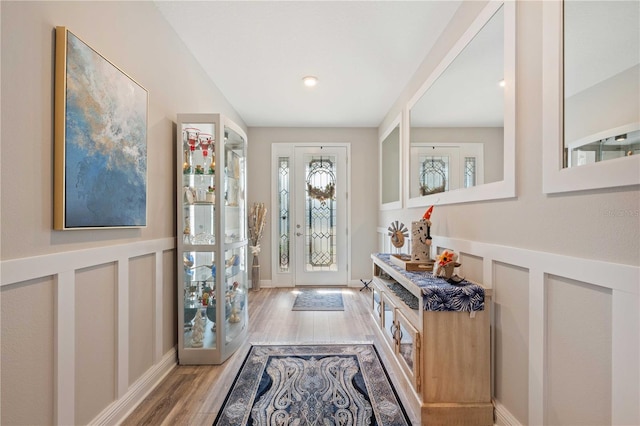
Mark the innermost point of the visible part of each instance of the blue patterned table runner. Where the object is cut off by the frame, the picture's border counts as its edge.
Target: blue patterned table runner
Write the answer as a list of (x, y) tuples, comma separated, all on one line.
[(438, 294)]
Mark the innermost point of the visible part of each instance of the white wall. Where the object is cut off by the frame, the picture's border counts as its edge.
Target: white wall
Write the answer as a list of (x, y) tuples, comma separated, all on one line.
[(88, 317), (564, 268)]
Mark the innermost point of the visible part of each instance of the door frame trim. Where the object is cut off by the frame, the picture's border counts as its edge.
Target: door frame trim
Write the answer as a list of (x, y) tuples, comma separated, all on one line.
[(287, 149)]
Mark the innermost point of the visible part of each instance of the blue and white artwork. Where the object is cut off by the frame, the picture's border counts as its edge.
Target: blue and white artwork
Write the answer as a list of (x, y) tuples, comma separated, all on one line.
[(105, 162)]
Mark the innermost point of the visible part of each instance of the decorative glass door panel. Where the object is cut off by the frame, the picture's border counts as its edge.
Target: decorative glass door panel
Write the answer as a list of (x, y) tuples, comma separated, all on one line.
[(320, 222), (284, 214), (320, 214), (470, 172)]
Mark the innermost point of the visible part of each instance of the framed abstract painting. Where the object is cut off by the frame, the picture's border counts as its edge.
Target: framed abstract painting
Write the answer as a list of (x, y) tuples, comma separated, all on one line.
[(100, 138)]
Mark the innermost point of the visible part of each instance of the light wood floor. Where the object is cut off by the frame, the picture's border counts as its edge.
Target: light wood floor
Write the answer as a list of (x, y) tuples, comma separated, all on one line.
[(192, 395)]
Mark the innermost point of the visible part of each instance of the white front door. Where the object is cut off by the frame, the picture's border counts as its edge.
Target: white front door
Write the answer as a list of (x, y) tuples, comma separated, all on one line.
[(319, 216)]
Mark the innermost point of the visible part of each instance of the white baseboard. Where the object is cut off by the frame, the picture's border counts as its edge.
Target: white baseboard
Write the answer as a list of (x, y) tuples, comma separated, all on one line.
[(118, 410), (266, 284), (270, 284), (503, 417)]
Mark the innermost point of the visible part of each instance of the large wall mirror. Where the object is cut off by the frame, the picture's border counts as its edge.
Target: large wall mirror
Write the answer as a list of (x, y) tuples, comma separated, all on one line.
[(592, 86), (391, 167), (461, 132)]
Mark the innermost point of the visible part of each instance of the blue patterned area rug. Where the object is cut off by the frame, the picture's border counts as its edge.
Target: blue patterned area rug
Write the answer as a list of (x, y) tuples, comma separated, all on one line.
[(312, 385), (309, 299)]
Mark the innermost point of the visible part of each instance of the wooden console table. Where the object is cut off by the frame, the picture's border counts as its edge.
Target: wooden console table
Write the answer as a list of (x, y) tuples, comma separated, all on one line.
[(439, 334)]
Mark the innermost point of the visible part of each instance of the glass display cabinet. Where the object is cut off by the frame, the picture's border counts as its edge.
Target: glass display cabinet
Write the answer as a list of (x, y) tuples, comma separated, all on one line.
[(212, 238)]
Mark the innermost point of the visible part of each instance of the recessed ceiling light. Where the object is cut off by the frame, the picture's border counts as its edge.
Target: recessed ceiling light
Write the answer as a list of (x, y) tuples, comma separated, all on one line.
[(501, 83), (621, 138), (310, 80)]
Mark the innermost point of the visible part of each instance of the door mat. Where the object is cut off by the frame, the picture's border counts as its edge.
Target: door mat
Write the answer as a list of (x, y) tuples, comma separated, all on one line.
[(318, 300), (312, 385)]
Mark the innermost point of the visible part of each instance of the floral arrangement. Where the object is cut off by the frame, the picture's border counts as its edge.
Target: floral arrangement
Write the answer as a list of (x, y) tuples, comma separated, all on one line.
[(427, 190), (257, 219), (446, 257), (322, 194), (446, 262)]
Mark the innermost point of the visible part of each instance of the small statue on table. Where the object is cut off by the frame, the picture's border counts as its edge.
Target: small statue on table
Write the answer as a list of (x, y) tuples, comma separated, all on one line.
[(421, 238), (197, 335), (447, 262)]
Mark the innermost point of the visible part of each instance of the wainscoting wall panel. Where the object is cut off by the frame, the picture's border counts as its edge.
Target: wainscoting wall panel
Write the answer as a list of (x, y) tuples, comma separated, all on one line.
[(167, 324), (511, 337), (551, 297), (28, 318), (471, 267), (142, 276), (578, 364), (95, 339), (77, 325)]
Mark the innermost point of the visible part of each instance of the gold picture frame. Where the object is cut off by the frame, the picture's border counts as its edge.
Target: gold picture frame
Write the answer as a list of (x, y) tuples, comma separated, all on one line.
[(100, 140)]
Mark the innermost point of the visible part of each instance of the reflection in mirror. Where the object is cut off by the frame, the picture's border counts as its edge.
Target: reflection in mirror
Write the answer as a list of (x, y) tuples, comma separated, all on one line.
[(457, 126), (591, 111), (446, 166), (601, 80), (390, 167)]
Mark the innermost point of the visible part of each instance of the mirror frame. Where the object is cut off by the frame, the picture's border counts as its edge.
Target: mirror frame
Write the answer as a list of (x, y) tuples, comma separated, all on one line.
[(397, 122), (555, 178), (505, 188)]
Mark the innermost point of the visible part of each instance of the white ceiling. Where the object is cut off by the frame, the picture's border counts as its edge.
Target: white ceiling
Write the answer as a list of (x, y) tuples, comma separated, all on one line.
[(363, 53)]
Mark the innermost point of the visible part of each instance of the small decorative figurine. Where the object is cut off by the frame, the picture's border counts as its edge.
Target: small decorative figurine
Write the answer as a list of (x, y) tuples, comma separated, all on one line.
[(421, 238), (186, 233), (197, 335), (398, 232), (189, 194), (232, 303), (211, 194), (447, 261), (235, 314)]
